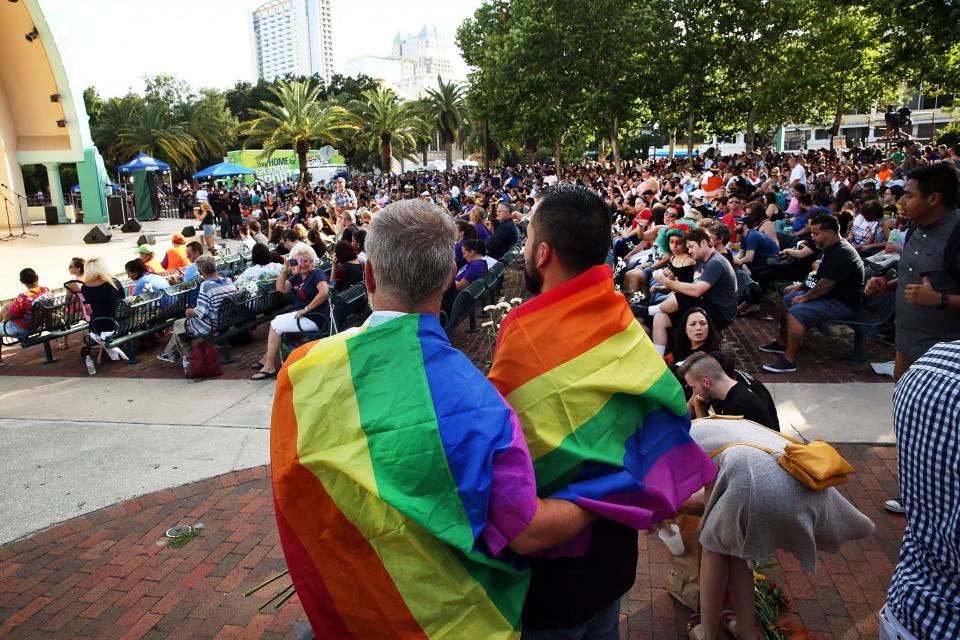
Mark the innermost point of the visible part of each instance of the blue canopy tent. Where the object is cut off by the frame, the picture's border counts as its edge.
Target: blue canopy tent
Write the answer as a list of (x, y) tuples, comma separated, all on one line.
[(143, 162), (76, 188), (223, 170)]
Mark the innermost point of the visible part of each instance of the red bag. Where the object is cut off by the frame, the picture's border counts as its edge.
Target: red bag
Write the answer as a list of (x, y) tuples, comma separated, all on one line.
[(204, 361)]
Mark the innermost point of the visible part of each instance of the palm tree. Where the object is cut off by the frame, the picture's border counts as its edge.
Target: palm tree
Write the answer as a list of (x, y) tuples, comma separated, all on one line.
[(449, 110), (298, 119), (390, 127), (425, 130), (153, 129), (210, 123)]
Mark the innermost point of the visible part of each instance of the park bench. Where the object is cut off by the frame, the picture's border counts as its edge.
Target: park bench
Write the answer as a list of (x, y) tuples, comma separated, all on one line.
[(51, 317), (135, 318), (346, 309), (874, 313)]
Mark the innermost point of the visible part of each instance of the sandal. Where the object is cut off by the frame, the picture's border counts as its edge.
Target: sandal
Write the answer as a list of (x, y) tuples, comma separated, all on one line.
[(263, 375), (257, 365)]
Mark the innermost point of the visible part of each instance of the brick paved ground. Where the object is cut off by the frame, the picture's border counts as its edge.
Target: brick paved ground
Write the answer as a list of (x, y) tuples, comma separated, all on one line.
[(109, 574)]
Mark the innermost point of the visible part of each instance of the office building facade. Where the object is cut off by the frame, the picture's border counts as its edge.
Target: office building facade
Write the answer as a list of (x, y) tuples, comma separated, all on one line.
[(292, 37)]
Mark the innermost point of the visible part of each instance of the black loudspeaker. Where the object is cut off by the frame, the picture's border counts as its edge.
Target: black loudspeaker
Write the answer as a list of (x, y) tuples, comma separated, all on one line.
[(115, 210), (189, 231), (146, 238), (51, 215), (131, 226), (98, 235)]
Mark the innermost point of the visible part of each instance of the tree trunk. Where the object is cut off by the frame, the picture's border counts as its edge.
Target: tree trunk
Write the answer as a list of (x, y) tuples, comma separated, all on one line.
[(386, 149), (486, 146), (690, 122), (837, 117), (557, 157), (673, 143), (426, 151), (448, 147), (615, 143), (748, 137), (302, 161)]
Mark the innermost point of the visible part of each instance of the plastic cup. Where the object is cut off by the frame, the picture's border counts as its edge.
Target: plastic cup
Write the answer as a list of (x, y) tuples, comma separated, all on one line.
[(670, 534)]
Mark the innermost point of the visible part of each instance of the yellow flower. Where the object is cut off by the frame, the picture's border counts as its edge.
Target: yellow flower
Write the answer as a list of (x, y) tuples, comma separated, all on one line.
[(758, 577)]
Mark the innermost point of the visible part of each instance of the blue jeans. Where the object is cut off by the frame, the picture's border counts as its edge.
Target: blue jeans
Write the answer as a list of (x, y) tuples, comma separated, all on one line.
[(11, 329), (604, 625)]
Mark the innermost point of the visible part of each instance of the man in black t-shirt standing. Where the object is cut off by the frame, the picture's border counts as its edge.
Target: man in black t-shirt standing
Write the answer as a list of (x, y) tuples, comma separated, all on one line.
[(714, 389), (833, 292)]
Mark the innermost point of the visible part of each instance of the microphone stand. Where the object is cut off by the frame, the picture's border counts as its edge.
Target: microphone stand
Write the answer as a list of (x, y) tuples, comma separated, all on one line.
[(6, 203), (23, 227)]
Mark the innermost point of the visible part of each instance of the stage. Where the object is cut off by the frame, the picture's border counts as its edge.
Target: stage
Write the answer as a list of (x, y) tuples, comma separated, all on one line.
[(49, 252)]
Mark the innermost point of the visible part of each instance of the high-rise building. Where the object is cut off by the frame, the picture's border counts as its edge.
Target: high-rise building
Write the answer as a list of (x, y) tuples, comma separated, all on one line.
[(292, 37), (413, 65)]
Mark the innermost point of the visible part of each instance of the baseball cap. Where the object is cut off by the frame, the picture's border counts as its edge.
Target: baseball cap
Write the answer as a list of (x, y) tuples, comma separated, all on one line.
[(698, 194), (744, 218), (144, 248), (424, 193), (178, 237), (295, 209)]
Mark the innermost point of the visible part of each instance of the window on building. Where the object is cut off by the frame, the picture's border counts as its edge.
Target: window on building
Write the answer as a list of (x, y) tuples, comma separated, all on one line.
[(821, 134)]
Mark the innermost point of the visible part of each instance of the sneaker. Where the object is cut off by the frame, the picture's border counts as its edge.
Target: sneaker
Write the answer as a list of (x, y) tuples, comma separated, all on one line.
[(782, 365), (166, 357), (639, 311), (894, 505), (773, 347)]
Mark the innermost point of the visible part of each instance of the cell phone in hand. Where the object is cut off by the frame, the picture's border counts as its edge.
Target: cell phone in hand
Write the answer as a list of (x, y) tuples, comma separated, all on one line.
[(292, 263)]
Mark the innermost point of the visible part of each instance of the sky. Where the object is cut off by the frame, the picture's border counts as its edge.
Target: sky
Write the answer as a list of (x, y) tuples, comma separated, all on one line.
[(112, 44)]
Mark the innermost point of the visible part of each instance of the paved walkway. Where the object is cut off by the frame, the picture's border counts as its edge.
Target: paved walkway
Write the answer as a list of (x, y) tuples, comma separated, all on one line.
[(111, 574)]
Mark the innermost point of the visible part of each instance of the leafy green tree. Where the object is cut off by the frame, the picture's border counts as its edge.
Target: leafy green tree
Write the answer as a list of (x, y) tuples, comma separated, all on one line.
[(448, 110), (924, 41), (300, 120)]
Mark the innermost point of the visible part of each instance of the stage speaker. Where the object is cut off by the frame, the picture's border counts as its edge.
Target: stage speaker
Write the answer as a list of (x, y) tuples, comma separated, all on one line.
[(51, 215), (131, 226), (146, 238), (115, 210), (98, 235), (189, 231)]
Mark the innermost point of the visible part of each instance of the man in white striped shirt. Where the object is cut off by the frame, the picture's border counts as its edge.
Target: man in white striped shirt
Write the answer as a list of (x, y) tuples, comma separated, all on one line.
[(199, 320), (924, 596)]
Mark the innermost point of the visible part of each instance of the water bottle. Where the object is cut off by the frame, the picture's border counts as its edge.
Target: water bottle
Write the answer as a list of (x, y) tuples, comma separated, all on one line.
[(91, 368)]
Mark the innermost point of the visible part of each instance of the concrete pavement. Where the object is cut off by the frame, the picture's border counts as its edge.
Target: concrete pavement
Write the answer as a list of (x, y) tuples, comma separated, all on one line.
[(75, 445)]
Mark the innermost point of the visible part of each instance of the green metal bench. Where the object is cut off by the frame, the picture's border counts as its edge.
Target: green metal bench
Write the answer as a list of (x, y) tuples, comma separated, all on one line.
[(51, 317)]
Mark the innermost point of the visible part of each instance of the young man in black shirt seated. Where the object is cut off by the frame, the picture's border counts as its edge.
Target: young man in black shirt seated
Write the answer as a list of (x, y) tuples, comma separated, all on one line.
[(714, 389), (833, 292)]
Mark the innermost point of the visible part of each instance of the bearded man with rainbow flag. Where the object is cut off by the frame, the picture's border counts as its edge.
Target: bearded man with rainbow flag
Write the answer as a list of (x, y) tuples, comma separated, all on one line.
[(605, 421), (402, 484)]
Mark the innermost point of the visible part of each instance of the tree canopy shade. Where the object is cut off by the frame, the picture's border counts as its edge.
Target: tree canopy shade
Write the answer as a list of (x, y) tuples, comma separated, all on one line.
[(299, 120), (548, 69)]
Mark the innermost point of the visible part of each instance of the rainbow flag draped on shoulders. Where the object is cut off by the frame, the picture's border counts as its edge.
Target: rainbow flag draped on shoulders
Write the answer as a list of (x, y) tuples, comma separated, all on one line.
[(606, 422), (399, 473)]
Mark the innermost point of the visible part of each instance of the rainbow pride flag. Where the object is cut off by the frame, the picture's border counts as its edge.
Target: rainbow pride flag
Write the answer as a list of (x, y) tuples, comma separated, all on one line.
[(605, 420), (399, 473)]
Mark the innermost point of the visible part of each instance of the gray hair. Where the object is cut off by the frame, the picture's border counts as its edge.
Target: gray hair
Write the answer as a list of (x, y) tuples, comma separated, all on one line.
[(410, 249), (206, 265)]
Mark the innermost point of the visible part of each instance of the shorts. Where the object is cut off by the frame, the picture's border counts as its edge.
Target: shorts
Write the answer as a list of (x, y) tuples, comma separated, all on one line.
[(816, 312), (12, 329), (891, 628), (209, 230)]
